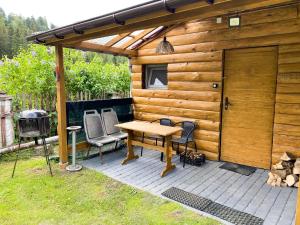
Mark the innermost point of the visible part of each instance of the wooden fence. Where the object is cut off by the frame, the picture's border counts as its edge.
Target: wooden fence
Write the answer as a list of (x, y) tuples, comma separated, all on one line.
[(48, 102)]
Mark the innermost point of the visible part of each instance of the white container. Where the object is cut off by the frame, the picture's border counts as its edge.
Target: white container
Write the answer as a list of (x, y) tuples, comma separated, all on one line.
[(7, 133)]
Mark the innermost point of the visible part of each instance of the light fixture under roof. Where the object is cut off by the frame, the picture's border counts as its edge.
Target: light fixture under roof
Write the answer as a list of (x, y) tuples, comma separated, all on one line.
[(164, 47)]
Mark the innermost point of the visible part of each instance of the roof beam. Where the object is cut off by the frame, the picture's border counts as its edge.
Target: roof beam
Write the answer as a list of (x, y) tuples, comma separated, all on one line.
[(137, 37), (89, 46), (200, 10)]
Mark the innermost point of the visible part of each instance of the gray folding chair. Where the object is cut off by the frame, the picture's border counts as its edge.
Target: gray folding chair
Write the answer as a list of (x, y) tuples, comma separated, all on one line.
[(110, 119), (95, 132)]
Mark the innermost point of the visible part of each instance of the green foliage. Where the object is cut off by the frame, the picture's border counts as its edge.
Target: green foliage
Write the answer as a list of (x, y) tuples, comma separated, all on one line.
[(31, 72), (14, 29)]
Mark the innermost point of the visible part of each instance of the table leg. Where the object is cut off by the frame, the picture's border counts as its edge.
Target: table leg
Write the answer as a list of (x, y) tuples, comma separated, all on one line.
[(130, 152), (168, 155)]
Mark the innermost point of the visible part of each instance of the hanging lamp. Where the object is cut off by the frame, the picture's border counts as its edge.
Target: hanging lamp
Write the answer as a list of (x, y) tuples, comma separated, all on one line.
[(164, 47)]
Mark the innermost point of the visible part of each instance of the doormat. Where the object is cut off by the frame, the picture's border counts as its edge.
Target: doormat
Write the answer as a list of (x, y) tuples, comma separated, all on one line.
[(241, 169), (205, 205)]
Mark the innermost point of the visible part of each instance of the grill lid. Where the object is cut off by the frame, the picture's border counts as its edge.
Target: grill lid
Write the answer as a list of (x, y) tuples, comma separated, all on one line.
[(33, 113)]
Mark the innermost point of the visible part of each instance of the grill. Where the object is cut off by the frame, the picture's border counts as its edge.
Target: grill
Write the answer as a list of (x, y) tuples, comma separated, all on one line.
[(33, 124)]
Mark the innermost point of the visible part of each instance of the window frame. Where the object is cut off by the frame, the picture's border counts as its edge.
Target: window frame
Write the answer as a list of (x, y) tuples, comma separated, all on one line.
[(149, 68)]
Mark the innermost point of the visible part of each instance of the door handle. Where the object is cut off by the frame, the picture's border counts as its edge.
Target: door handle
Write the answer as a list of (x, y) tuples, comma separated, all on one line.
[(227, 103)]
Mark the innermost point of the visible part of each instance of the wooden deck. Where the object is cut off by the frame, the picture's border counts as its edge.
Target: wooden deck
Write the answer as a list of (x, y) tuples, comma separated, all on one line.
[(249, 194)]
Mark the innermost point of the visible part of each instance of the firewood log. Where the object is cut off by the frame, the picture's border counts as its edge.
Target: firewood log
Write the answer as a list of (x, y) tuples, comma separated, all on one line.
[(278, 182), (278, 166), (297, 163), (287, 164), (291, 179), (296, 170), (285, 157), (283, 184), (271, 178), (281, 173)]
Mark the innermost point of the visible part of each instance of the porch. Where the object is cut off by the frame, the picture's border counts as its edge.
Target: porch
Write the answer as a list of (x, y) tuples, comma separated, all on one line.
[(248, 194)]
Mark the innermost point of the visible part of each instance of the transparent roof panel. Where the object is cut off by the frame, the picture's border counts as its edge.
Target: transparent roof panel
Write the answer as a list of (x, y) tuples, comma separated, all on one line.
[(122, 41), (135, 33), (134, 45), (156, 30), (102, 40)]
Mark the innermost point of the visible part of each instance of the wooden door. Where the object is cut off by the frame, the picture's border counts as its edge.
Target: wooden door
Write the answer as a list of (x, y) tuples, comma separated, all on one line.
[(249, 89)]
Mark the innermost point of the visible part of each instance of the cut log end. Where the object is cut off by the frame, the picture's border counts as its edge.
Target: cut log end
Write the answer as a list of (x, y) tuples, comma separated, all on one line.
[(291, 179)]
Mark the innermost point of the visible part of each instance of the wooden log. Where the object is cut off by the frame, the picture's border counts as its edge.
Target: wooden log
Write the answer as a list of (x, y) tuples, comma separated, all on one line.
[(172, 94), (242, 43), (288, 88), (296, 170), (291, 109), (291, 179), (286, 140), (27, 145), (287, 98), (262, 16), (195, 76), (256, 30), (194, 86), (297, 162), (278, 166), (176, 103), (287, 164), (281, 173), (195, 67), (271, 178), (289, 48), (288, 78), (203, 124), (177, 58), (289, 68), (170, 111)]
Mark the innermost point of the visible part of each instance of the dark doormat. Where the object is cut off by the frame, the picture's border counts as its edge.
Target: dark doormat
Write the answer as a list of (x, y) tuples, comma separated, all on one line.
[(241, 169), (205, 205)]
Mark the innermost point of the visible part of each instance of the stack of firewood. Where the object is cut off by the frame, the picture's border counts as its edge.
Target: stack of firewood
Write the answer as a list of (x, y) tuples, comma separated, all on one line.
[(285, 173), (193, 158)]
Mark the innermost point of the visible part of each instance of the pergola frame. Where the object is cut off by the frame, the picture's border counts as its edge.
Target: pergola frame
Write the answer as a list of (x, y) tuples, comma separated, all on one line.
[(79, 39)]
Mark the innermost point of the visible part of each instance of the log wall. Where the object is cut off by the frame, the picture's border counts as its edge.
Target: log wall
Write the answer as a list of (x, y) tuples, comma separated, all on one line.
[(198, 63)]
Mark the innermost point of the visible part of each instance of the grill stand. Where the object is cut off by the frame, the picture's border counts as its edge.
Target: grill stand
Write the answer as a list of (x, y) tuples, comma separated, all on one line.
[(46, 153), (74, 167)]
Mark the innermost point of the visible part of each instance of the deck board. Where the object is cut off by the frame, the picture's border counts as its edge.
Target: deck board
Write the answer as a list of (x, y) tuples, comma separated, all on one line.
[(249, 194)]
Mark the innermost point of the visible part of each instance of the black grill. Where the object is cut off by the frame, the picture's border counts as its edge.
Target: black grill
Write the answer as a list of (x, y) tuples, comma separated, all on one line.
[(33, 124)]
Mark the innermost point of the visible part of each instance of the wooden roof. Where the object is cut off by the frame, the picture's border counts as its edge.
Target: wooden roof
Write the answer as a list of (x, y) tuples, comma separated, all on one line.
[(125, 37)]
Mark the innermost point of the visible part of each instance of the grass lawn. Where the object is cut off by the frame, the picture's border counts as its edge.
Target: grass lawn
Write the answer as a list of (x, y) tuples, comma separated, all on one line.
[(86, 197)]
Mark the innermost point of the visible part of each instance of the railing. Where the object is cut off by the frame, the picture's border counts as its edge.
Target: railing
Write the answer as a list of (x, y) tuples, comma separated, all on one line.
[(48, 102), (75, 110)]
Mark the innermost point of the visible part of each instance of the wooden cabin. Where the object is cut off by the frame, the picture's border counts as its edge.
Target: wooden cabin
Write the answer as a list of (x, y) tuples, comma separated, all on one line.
[(235, 71), (255, 68)]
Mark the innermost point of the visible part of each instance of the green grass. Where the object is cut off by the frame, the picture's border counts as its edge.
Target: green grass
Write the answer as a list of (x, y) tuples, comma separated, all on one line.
[(86, 197)]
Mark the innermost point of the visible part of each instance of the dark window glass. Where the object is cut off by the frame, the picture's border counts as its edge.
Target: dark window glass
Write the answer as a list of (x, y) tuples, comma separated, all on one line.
[(156, 77)]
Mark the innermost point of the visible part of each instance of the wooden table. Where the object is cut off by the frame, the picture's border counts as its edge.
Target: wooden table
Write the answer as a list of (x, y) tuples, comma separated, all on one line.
[(150, 128)]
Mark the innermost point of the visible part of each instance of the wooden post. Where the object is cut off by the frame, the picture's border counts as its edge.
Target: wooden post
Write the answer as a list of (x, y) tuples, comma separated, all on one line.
[(61, 107)]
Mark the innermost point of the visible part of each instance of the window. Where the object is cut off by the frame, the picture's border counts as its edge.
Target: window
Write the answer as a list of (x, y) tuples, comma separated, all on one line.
[(155, 77)]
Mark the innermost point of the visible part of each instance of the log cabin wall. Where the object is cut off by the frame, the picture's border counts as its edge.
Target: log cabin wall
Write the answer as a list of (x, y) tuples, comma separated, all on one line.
[(198, 63)]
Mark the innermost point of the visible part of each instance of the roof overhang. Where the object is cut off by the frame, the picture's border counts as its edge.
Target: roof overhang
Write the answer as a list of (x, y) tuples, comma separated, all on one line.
[(156, 15)]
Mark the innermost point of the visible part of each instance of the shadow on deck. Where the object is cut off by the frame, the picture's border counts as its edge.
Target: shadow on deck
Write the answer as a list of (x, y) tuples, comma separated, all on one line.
[(248, 194)]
